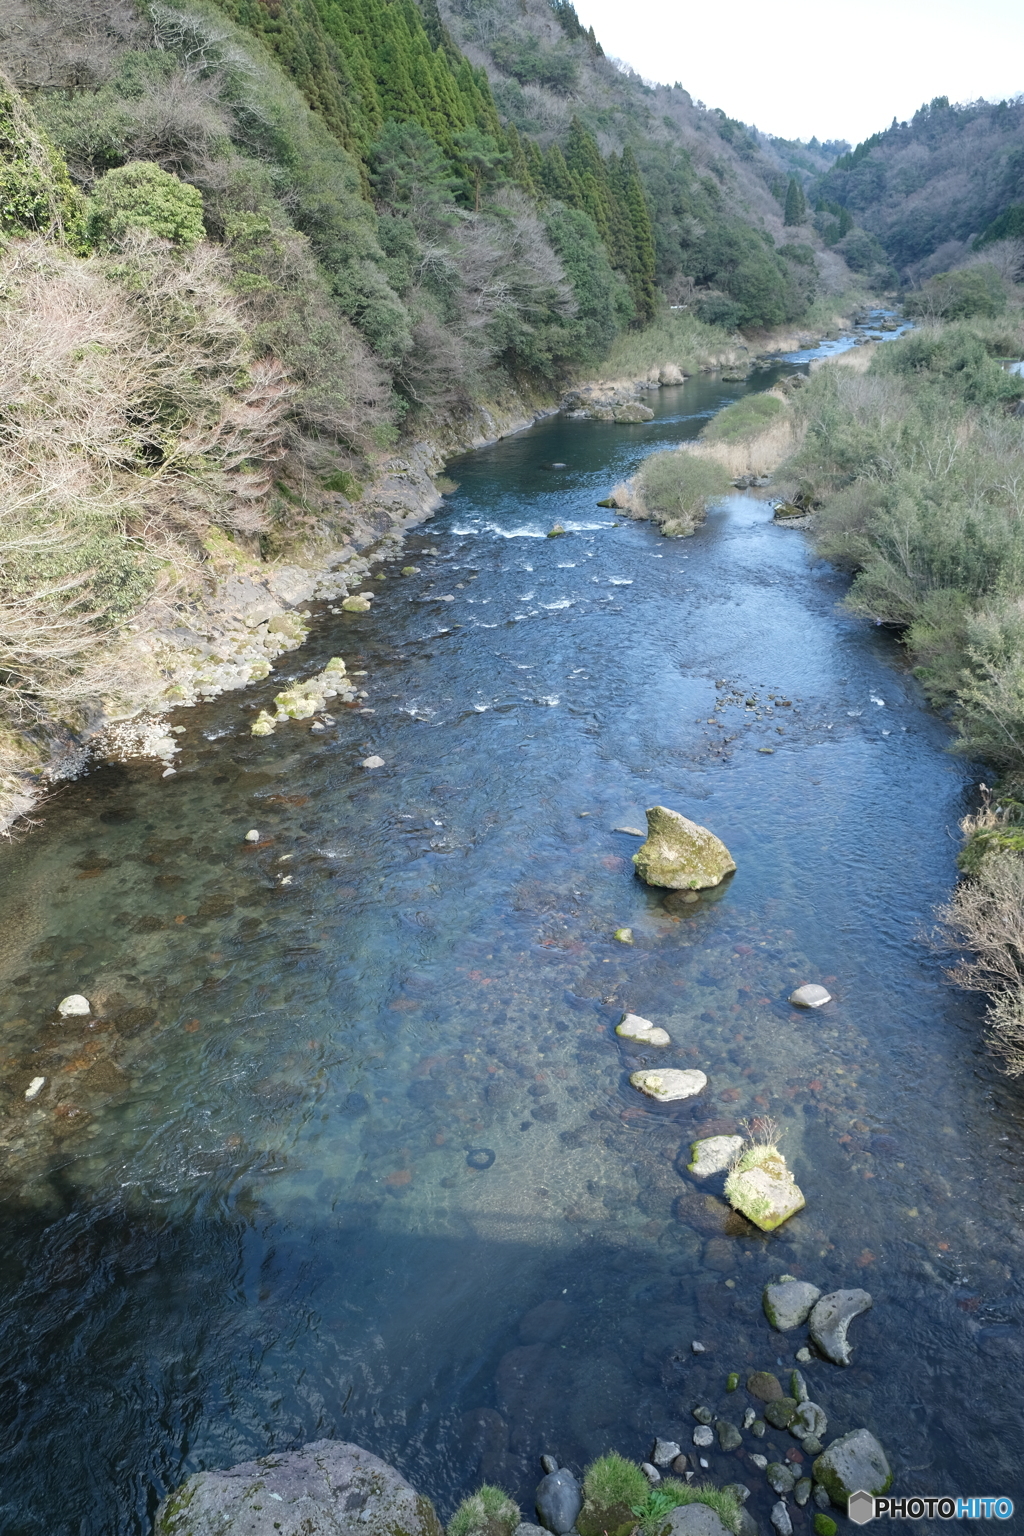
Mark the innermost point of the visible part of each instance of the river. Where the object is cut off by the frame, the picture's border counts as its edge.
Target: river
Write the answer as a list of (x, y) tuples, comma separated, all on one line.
[(348, 1147)]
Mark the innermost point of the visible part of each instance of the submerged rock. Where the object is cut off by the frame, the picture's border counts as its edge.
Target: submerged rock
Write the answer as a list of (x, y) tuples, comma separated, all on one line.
[(712, 1154), (74, 1006), (729, 1437), (808, 1421), (624, 935), (328, 1488), (810, 996), (633, 1027), (780, 1413), (679, 854), (779, 1476), (854, 1461), (763, 1189), (670, 1083), (764, 1386), (781, 1520), (788, 1303), (831, 1317), (559, 1501)]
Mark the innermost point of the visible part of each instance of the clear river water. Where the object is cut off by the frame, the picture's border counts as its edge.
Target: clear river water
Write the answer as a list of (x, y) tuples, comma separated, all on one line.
[(348, 1147)]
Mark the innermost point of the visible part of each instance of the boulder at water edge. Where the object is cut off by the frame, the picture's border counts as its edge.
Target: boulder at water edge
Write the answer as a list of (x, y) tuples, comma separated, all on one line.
[(762, 1188), (680, 855), (328, 1488), (854, 1461), (695, 1520), (559, 1501)]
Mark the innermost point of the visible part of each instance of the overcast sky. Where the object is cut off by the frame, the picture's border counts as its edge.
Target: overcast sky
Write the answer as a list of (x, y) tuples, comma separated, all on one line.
[(840, 71)]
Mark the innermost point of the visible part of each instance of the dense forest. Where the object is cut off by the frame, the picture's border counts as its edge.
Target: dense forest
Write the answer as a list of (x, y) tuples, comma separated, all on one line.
[(934, 189)]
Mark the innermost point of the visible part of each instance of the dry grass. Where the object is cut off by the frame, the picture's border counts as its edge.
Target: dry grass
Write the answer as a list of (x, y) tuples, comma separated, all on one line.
[(986, 916), (134, 418), (757, 455)]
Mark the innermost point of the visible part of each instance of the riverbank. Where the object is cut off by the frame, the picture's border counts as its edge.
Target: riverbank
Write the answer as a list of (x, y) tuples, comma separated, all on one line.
[(250, 613)]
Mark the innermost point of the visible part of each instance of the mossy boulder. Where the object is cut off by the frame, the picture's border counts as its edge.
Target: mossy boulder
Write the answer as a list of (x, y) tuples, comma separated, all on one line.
[(328, 1488), (680, 855), (763, 1189), (854, 1461)]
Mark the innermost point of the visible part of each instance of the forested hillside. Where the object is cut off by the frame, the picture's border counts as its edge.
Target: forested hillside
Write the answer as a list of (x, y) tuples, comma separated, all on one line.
[(933, 189)]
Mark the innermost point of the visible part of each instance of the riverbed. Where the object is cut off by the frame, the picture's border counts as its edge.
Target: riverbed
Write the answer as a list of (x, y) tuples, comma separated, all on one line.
[(347, 1146)]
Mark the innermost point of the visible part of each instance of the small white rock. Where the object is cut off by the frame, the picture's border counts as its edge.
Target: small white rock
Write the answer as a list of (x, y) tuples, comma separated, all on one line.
[(650, 1472), (704, 1464), (633, 1027), (703, 1435), (631, 831), (697, 1347), (712, 1154), (34, 1087), (665, 1452), (73, 1004), (810, 996), (669, 1083), (252, 836), (748, 1418), (804, 1355), (372, 762), (759, 1461)]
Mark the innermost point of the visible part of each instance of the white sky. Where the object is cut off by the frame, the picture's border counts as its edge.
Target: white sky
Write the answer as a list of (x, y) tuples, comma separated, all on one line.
[(805, 67)]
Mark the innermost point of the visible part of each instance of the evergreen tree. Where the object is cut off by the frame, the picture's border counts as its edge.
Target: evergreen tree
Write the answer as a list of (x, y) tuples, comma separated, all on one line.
[(483, 158), (796, 203)]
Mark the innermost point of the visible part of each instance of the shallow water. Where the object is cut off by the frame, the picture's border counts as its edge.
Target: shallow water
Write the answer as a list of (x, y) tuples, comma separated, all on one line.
[(244, 1213)]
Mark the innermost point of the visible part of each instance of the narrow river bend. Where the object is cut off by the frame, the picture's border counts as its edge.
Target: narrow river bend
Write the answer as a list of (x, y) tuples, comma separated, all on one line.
[(351, 1149)]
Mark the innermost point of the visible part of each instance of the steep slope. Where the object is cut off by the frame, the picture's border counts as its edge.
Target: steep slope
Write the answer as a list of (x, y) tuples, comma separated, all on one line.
[(930, 187)]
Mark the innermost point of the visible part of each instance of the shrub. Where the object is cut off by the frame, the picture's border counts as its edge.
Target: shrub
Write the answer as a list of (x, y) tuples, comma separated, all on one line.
[(140, 196), (36, 194), (675, 488), (488, 1512), (986, 915), (962, 295)]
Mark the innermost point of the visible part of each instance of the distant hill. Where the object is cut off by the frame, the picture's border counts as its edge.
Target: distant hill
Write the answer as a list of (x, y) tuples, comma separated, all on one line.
[(928, 189)]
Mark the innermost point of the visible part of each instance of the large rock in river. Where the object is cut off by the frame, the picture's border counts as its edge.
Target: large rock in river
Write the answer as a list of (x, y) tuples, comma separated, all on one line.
[(680, 855), (763, 1189), (328, 1488), (855, 1461)]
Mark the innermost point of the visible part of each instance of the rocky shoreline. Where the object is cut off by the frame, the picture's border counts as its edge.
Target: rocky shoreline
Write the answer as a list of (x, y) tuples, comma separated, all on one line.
[(779, 1459)]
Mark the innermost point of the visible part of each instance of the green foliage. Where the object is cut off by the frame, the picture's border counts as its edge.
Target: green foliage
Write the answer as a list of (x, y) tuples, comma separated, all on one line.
[(671, 1494), (527, 60), (796, 203), (612, 1480), (918, 469), (603, 301), (36, 194), (743, 419), (1008, 226), (140, 196), (488, 1512), (676, 487), (966, 294)]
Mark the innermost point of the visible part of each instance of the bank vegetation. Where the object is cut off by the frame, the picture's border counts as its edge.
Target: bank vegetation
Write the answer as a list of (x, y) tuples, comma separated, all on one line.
[(916, 469)]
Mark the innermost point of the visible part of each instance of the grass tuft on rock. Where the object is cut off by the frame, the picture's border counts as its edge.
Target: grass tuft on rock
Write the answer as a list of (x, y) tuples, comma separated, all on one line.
[(488, 1512), (613, 1488), (670, 1494)]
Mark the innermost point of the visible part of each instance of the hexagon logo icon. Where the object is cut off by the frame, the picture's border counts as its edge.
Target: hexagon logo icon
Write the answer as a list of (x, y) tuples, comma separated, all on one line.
[(860, 1507)]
